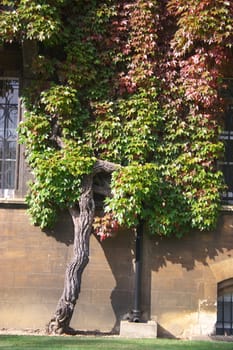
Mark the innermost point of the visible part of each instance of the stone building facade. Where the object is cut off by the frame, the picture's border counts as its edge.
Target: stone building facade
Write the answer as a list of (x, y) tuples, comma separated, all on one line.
[(182, 280), (187, 284)]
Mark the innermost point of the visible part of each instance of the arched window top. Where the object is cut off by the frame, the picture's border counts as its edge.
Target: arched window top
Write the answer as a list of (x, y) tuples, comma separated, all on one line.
[(225, 287)]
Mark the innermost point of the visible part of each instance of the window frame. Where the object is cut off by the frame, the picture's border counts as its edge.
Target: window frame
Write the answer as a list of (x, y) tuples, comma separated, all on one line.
[(224, 324), (7, 189), (22, 172), (226, 136)]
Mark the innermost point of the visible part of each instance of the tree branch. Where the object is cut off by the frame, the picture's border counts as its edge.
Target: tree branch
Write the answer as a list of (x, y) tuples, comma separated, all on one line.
[(104, 166), (59, 141)]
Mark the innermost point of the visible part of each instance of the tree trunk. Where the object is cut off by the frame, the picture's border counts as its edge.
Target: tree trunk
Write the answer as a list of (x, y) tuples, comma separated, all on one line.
[(82, 219)]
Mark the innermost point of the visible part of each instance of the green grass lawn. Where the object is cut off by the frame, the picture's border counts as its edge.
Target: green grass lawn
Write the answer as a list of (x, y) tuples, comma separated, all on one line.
[(93, 343)]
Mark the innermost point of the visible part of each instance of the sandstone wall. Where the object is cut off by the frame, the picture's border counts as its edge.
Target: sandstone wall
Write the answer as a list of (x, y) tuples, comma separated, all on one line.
[(179, 283)]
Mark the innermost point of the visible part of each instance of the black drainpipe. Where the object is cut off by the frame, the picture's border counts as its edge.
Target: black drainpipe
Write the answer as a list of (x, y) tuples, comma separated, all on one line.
[(136, 312)]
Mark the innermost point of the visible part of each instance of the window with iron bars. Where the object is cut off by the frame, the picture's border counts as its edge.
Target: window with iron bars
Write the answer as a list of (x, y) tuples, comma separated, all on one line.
[(224, 324), (226, 165), (9, 94)]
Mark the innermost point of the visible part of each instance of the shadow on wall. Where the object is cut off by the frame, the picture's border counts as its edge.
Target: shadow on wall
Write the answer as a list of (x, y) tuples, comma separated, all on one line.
[(63, 230), (195, 248), (163, 333), (187, 266), (119, 252)]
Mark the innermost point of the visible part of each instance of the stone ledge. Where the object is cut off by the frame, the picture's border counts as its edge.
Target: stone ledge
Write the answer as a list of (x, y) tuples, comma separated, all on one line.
[(13, 203), (138, 329)]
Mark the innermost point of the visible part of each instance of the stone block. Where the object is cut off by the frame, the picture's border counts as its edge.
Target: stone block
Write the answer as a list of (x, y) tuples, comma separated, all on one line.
[(138, 329)]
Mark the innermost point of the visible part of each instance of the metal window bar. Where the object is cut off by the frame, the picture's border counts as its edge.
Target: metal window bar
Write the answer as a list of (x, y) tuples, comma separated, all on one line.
[(225, 315), (227, 164), (226, 92), (231, 314), (220, 317), (9, 88)]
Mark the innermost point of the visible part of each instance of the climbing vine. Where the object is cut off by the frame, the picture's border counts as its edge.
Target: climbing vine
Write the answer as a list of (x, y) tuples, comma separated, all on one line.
[(134, 83)]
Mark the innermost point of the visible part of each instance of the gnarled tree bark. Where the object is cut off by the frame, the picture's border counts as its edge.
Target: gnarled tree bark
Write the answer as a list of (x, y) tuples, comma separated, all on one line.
[(82, 216)]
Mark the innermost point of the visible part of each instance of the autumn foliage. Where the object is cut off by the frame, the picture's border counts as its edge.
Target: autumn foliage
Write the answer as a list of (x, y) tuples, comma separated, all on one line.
[(135, 83)]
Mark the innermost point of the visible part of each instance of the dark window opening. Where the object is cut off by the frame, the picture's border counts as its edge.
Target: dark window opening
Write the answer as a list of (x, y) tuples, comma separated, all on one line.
[(224, 324)]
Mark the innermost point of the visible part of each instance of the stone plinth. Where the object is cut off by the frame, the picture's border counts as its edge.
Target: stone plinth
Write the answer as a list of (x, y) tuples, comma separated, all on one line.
[(138, 329)]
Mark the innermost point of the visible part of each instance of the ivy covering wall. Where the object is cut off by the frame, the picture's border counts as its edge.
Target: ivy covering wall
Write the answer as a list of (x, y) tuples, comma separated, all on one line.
[(134, 83)]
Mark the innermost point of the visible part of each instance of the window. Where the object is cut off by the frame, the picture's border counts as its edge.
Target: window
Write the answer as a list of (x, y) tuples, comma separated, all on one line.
[(227, 164), (9, 93), (227, 137), (224, 324)]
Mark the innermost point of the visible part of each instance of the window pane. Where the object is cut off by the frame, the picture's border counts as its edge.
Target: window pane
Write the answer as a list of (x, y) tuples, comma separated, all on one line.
[(228, 175), (227, 310), (228, 150), (229, 118), (224, 324), (227, 137), (220, 317), (9, 91)]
